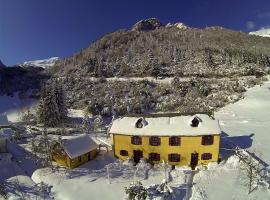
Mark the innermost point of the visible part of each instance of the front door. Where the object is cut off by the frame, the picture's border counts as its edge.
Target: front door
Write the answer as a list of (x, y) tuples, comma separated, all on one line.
[(194, 160), (137, 155)]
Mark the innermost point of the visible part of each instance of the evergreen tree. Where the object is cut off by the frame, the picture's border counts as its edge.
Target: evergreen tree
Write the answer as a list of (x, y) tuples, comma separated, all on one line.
[(60, 101), (48, 111), (87, 126)]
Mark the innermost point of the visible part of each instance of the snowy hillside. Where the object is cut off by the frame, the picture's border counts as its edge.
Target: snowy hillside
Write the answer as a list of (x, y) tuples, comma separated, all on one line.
[(265, 32), (245, 122), (40, 63), (1, 64)]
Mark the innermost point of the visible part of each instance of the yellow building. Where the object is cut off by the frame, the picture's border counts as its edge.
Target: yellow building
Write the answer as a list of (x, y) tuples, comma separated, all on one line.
[(73, 151), (177, 139)]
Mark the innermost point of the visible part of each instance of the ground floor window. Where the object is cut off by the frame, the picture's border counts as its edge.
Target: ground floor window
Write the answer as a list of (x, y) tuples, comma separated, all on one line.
[(206, 156), (80, 159), (174, 157), (123, 152), (154, 157)]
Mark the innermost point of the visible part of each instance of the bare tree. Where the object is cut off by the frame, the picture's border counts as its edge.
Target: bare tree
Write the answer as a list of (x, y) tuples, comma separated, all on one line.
[(254, 171)]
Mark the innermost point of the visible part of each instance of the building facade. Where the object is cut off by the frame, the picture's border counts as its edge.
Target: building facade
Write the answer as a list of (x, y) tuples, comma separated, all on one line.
[(179, 140)]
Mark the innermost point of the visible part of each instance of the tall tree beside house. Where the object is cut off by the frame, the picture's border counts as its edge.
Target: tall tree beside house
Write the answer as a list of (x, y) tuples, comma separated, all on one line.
[(98, 123), (52, 109), (87, 125), (60, 101)]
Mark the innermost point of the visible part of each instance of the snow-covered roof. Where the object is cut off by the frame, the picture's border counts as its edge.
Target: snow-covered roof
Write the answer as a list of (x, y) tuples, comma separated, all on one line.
[(166, 125), (3, 119), (75, 146)]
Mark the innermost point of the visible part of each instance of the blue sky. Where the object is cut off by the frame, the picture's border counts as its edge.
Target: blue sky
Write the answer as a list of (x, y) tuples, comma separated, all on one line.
[(38, 29)]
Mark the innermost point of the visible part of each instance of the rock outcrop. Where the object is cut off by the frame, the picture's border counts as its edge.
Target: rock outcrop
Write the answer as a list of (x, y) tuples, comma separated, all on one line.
[(147, 25)]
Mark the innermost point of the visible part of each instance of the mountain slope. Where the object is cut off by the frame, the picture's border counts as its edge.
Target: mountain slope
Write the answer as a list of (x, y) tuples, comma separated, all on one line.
[(207, 68), (156, 50)]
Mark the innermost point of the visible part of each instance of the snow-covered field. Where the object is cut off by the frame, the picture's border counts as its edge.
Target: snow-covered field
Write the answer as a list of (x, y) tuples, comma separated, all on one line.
[(247, 122), (13, 106)]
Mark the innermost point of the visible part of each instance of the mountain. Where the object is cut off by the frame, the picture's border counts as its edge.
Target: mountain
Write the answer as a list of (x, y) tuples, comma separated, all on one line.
[(158, 68), (2, 65), (265, 32), (45, 63), (152, 49)]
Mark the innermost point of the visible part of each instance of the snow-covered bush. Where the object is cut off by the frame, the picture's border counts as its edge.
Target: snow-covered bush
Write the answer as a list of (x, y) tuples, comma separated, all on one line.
[(136, 191)]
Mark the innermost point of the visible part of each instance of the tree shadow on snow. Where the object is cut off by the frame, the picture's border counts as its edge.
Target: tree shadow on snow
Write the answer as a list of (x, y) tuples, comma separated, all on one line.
[(229, 144)]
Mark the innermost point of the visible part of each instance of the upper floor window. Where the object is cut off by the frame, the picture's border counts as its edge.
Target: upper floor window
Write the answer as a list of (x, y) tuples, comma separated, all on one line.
[(137, 140), (123, 152), (206, 156), (175, 141), (207, 140), (174, 157), (154, 141), (154, 157)]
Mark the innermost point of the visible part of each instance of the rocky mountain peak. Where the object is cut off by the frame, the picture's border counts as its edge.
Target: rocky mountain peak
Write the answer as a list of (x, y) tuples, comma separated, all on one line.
[(147, 25)]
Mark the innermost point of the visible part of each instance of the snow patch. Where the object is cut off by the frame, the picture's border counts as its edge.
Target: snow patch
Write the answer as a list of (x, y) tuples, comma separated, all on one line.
[(264, 32), (45, 63)]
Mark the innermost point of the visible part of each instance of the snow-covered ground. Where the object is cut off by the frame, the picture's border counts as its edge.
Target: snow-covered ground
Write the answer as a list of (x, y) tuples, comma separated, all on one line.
[(247, 122), (250, 115), (12, 106)]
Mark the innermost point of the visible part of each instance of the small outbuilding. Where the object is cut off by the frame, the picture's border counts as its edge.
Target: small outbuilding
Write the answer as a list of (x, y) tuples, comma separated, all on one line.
[(73, 151)]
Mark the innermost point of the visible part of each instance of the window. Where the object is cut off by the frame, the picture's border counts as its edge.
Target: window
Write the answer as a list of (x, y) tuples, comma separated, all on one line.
[(207, 140), (154, 141), (206, 156), (154, 157), (195, 122), (80, 159), (174, 141), (139, 123), (123, 153), (136, 140), (174, 157)]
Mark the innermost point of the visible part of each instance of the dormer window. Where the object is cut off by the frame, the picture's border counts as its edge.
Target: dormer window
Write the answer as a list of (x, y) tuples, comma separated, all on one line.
[(140, 123), (195, 122)]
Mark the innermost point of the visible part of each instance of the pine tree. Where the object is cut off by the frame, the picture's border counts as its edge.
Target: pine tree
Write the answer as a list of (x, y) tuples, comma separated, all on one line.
[(48, 109), (52, 108), (87, 125), (60, 101)]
